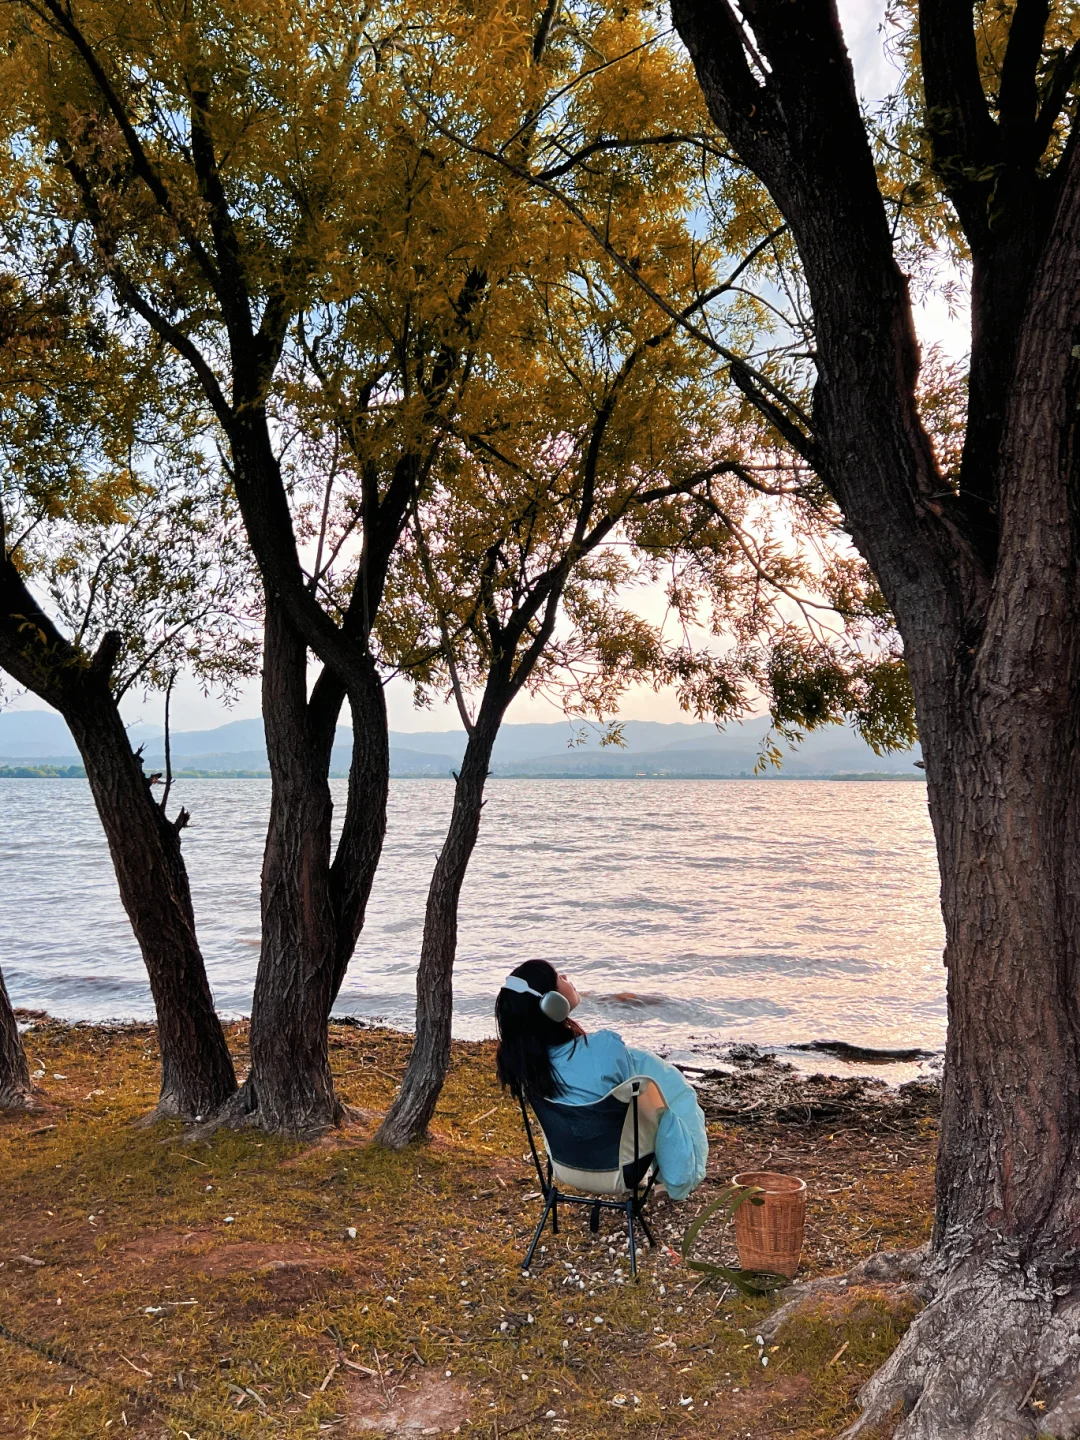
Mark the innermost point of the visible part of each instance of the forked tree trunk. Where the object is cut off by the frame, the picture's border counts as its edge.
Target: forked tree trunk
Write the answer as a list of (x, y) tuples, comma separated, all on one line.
[(14, 1071), (408, 1117), (196, 1069), (290, 1089)]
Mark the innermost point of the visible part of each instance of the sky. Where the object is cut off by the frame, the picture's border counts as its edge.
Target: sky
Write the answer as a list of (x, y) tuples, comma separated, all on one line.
[(194, 710)]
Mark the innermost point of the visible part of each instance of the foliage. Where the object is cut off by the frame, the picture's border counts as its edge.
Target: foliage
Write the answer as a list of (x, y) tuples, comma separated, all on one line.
[(108, 509), (428, 241), (727, 1203)]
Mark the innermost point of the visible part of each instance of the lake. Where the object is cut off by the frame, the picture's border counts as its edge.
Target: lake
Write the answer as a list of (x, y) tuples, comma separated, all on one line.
[(690, 913)]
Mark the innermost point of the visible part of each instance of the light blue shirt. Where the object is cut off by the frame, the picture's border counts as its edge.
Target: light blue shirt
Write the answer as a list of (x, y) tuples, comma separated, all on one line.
[(593, 1065)]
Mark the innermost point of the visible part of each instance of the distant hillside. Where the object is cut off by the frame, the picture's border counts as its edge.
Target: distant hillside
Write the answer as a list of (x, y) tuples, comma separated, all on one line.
[(544, 750)]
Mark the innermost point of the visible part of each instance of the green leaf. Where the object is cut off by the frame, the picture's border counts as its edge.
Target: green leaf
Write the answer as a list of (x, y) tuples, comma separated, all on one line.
[(748, 1282)]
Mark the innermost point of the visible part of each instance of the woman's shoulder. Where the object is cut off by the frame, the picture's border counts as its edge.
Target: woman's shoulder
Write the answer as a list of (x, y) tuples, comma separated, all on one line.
[(601, 1038), (607, 1048), (608, 1039), (599, 1045)]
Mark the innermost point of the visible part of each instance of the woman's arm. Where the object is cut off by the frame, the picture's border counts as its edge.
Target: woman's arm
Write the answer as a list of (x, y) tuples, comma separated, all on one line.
[(682, 1145)]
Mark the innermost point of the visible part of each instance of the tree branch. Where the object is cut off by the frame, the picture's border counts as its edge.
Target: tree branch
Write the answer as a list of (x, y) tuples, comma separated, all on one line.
[(233, 292), (1057, 93), (964, 140), (805, 445), (168, 744), (62, 17), (734, 94), (633, 142), (1018, 92)]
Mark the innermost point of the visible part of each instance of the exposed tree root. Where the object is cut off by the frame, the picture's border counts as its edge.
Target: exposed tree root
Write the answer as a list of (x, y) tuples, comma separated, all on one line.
[(243, 1111), (167, 1108), (904, 1270), (995, 1355)]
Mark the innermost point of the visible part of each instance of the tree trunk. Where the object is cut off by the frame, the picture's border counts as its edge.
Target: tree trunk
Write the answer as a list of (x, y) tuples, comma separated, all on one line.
[(982, 578), (1004, 791), (1001, 730), (360, 845), (14, 1071), (196, 1069), (408, 1117), (290, 1089)]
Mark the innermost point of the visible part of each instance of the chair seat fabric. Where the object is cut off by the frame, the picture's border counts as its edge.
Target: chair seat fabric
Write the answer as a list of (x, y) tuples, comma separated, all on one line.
[(591, 1147)]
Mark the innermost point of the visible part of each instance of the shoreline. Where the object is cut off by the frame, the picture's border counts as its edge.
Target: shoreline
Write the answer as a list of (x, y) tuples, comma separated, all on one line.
[(795, 1063), (76, 772)]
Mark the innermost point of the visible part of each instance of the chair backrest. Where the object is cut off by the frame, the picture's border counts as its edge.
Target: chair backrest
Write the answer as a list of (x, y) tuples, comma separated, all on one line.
[(605, 1148)]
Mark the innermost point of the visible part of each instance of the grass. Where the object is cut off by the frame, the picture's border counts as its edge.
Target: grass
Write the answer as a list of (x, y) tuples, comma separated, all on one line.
[(157, 1287)]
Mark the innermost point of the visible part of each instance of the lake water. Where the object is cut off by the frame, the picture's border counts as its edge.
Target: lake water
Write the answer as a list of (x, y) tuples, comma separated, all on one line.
[(690, 913)]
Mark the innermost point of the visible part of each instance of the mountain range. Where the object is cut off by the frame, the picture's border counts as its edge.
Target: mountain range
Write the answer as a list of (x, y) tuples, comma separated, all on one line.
[(556, 750)]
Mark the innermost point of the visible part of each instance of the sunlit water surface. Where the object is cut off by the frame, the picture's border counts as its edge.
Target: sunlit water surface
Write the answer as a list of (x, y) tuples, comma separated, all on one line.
[(690, 913)]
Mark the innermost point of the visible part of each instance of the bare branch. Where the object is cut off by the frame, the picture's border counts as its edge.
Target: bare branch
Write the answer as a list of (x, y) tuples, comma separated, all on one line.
[(168, 745)]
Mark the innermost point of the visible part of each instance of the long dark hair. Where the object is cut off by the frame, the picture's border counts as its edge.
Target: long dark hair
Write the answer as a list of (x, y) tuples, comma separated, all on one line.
[(527, 1037)]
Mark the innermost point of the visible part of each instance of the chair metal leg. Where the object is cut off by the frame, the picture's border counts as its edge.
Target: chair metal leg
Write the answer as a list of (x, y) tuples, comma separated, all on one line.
[(594, 1218), (539, 1231), (630, 1229), (554, 1212), (645, 1226)]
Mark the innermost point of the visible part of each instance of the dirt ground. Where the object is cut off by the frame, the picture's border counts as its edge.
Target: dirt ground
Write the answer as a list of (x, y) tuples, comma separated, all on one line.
[(240, 1286)]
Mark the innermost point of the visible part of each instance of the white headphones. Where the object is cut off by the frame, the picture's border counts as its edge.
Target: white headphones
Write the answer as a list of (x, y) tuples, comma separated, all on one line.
[(554, 1004)]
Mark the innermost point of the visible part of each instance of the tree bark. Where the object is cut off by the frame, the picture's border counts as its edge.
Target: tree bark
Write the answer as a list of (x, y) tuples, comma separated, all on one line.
[(196, 1069), (290, 1089), (363, 831), (1003, 766), (14, 1071), (408, 1117)]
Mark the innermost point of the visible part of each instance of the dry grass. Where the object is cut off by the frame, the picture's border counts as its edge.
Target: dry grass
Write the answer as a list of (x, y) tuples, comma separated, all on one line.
[(164, 1288)]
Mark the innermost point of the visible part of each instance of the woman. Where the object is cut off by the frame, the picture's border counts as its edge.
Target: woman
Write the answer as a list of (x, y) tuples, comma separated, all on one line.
[(545, 1054)]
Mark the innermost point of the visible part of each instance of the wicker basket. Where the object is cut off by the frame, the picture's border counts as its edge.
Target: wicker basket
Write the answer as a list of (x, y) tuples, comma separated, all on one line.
[(770, 1236)]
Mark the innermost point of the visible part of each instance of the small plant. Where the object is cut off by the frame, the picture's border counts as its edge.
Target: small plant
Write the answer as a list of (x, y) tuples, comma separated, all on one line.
[(748, 1282)]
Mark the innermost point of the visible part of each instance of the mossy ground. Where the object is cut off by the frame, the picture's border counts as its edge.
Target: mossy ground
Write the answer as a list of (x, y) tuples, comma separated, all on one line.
[(158, 1287)]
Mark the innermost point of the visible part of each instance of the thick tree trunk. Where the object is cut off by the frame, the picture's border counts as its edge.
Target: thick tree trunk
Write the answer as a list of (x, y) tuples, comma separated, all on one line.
[(196, 1069), (408, 1117), (1005, 796), (1001, 731), (290, 1089), (14, 1071), (982, 578)]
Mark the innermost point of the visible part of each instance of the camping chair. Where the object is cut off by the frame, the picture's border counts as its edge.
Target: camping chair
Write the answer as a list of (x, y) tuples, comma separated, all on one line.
[(605, 1149)]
